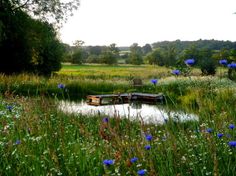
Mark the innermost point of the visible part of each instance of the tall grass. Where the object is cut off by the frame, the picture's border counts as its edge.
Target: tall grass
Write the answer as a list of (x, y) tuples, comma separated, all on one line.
[(39, 139)]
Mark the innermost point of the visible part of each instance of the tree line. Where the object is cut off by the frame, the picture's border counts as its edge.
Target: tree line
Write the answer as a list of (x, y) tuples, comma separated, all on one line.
[(206, 53)]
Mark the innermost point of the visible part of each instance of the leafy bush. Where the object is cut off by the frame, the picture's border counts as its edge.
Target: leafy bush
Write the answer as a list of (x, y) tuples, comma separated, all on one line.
[(208, 67)]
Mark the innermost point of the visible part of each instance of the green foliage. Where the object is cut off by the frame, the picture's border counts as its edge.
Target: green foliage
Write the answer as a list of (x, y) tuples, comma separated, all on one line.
[(44, 9), (199, 44), (208, 66), (146, 49), (14, 47), (155, 58), (135, 56), (47, 51), (107, 57), (29, 45), (77, 57), (232, 74)]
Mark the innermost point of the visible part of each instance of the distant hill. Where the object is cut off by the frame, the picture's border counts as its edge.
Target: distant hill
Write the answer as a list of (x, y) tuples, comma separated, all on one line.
[(179, 45), (200, 44)]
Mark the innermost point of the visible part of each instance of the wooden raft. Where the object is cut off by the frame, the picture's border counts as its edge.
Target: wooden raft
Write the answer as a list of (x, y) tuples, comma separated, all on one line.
[(108, 99)]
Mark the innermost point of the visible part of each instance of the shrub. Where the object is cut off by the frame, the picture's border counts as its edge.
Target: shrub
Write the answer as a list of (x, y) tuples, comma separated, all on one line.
[(208, 67)]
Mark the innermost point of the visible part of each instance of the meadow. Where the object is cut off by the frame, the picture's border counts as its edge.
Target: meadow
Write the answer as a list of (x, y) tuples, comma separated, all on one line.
[(39, 139)]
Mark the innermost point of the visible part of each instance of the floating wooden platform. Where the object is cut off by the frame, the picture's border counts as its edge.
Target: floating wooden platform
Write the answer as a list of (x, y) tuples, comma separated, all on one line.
[(109, 99)]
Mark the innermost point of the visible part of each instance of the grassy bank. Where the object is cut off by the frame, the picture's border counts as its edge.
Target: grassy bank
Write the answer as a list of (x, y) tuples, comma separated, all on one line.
[(76, 87)]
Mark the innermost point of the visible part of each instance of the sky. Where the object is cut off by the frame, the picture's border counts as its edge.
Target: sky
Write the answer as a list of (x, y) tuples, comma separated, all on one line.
[(124, 22)]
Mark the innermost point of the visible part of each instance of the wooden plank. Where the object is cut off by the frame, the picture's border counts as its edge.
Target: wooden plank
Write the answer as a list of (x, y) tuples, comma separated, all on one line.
[(122, 98)]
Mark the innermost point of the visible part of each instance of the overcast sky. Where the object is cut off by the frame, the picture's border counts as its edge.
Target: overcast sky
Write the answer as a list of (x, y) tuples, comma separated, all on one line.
[(124, 22)]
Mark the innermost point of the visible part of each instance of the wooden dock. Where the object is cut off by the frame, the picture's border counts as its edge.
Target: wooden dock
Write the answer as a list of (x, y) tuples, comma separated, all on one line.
[(109, 99)]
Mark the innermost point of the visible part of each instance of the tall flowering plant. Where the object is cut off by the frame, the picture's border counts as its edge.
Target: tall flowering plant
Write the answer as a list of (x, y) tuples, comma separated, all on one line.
[(189, 63), (232, 71), (231, 68)]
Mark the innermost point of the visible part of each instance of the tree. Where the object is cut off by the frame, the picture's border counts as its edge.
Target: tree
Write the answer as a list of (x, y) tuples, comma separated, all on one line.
[(135, 54), (29, 45), (78, 55), (115, 51), (95, 50), (43, 9), (155, 57), (46, 49), (169, 55), (109, 54), (107, 57), (146, 49), (14, 47), (78, 43)]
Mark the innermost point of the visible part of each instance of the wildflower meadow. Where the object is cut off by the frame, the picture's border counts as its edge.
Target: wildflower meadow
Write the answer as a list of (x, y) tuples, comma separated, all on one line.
[(37, 138)]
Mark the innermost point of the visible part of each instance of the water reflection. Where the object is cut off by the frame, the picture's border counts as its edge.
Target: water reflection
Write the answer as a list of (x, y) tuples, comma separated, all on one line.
[(134, 111)]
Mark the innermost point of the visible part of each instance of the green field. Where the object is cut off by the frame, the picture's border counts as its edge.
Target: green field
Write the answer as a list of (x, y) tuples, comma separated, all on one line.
[(118, 71), (39, 139)]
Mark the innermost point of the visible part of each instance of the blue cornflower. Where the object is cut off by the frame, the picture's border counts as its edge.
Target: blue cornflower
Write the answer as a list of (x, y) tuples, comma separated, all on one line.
[(17, 142), (141, 172), (105, 119), (108, 162), (232, 144), (133, 160), (154, 81), (231, 126), (9, 107), (220, 135), (148, 137), (176, 72), (189, 62), (147, 147), (232, 65), (223, 62), (61, 86), (209, 130)]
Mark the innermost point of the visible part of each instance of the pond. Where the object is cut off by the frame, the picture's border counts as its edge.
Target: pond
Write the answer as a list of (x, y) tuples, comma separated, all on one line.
[(147, 113)]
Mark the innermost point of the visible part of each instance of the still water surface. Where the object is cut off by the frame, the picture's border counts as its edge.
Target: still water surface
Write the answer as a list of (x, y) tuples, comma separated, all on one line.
[(134, 111)]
